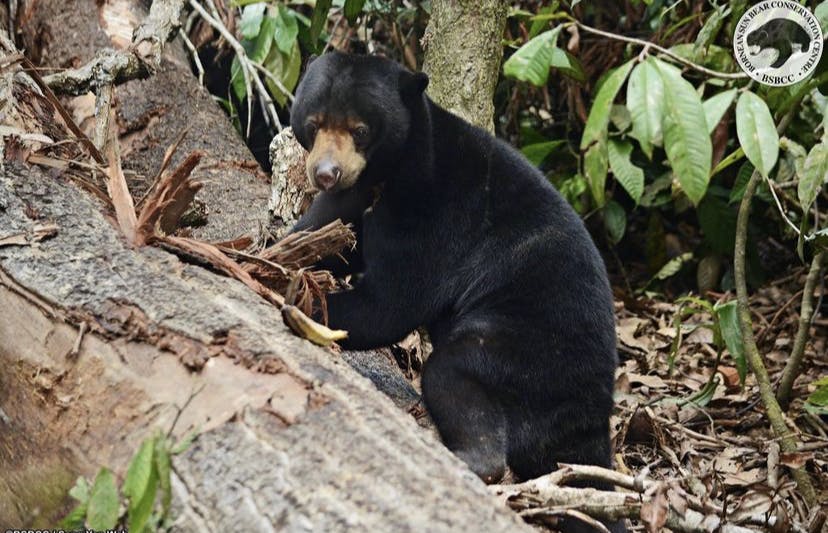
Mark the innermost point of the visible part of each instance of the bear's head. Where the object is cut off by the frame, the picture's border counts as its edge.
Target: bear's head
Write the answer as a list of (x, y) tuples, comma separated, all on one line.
[(353, 114)]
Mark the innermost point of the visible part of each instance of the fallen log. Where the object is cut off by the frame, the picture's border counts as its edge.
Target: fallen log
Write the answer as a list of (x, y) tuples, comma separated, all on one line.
[(290, 435)]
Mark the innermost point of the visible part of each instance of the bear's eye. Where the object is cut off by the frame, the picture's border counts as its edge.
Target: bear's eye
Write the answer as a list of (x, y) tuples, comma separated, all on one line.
[(360, 134), (311, 128)]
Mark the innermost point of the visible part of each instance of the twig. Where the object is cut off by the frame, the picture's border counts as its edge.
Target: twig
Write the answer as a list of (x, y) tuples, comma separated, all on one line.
[(103, 103), (757, 365), (75, 349), (789, 375), (274, 79), (237, 47), (67, 118), (333, 31), (141, 60), (194, 52), (544, 496), (773, 465), (784, 215), (246, 65), (666, 52)]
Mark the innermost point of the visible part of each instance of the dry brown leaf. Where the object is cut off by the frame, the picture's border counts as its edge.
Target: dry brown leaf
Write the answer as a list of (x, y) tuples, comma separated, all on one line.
[(730, 376), (795, 459), (654, 510)]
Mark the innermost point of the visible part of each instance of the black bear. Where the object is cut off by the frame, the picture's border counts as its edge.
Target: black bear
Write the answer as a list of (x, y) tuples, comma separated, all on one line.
[(780, 35), (459, 233)]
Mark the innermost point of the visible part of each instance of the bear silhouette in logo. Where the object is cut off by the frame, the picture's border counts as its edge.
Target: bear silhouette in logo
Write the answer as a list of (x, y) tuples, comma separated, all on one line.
[(780, 35)]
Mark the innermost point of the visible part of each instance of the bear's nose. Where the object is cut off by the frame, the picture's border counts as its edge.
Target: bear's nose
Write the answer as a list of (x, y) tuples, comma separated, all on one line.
[(327, 175)]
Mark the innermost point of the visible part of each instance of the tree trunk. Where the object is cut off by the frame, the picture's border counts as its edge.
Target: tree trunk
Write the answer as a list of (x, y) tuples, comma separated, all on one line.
[(152, 113), (463, 49), (291, 436), (101, 344)]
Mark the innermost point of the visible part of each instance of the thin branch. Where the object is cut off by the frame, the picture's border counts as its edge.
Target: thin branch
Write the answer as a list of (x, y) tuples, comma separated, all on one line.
[(194, 52), (237, 47), (784, 215), (789, 375), (757, 365), (545, 497), (141, 60), (67, 118), (246, 64), (274, 79), (772, 408), (662, 50)]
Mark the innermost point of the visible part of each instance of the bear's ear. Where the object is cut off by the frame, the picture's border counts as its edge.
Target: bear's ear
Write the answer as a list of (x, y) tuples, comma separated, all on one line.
[(412, 84)]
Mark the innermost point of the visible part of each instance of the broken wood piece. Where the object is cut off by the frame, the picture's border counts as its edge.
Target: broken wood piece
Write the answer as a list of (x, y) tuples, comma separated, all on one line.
[(26, 238), (305, 248), (539, 498), (168, 201)]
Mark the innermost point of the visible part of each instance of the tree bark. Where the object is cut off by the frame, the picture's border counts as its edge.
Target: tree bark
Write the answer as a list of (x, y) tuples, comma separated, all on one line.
[(152, 113), (101, 344), (291, 436), (463, 49)]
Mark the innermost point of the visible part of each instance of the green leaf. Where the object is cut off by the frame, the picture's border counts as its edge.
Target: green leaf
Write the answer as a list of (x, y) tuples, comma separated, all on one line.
[(531, 62), (568, 64), (742, 179), (757, 132), (796, 150), (541, 20), (81, 490), (286, 69), (703, 396), (710, 29), (628, 175), (352, 9), (286, 29), (615, 221), (814, 174), (686, 140), (264, 41), (645, 100), (599, 115), (140, 508), (728, 317), (821, 13), (820, 395), (716, 106), (620, 117), (320, 16), (185, 443), (163, 465), (672, 267), (140, 470), (251, 20), (75, 519), (536, 153), (102, 512), (715, 57), (595, 170)]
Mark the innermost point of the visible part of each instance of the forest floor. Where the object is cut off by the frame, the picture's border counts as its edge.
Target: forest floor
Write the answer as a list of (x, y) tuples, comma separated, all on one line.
[(682, 413)]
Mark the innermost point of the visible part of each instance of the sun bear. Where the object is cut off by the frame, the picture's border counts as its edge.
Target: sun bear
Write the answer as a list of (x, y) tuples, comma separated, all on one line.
[(779, 34), (459, 233)]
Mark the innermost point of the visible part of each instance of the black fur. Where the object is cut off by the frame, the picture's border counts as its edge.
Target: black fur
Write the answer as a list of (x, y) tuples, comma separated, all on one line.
[(779, 34), (468, 239)]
